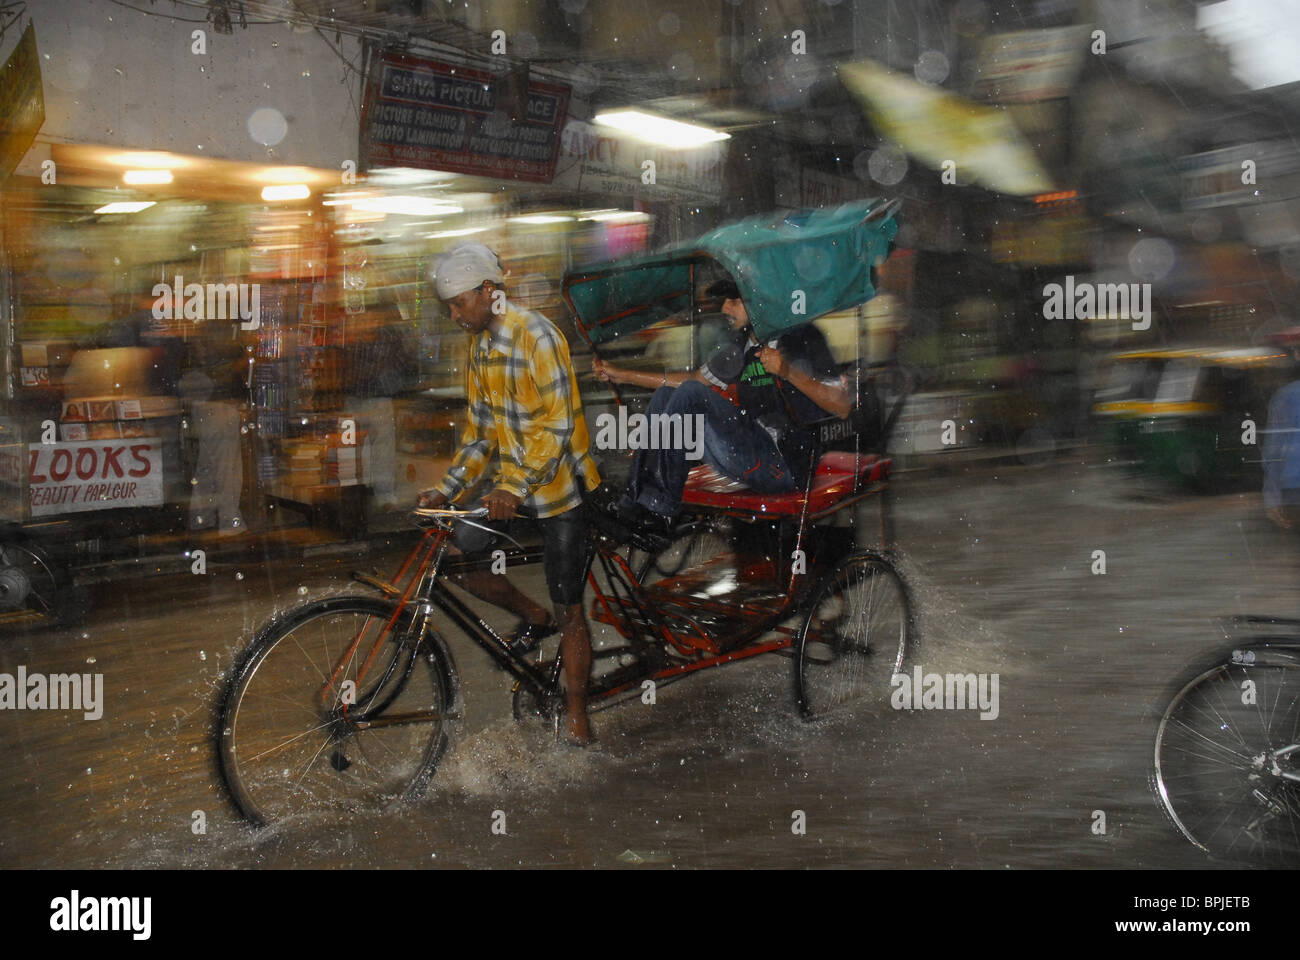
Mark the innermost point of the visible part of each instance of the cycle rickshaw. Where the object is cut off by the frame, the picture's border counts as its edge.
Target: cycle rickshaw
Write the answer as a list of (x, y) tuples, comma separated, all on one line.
[(356, 698)]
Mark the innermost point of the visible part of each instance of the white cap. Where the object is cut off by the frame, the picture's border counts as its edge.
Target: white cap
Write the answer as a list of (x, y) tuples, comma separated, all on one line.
[(464, 268)]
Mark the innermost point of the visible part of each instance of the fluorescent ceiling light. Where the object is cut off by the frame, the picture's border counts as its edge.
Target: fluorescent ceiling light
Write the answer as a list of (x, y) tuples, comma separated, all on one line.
[(407, 206), (126, 206), (541, 218), (147, 176), (285, 175), (289, 191), (409, 175), (462, 232), (614, 215), (660, 130), (155, 161)]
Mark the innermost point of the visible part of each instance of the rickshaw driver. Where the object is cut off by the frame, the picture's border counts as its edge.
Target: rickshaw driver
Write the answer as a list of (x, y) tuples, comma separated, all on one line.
[(526, 421), (756, 442)]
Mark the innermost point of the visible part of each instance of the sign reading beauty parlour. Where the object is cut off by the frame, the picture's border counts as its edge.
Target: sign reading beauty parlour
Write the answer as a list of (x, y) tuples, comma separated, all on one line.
[(436, 116), (94, 475)]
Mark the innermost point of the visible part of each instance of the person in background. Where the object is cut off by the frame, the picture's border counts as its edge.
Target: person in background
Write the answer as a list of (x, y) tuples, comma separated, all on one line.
[(379, 367), (1281, 453), (526, 444)]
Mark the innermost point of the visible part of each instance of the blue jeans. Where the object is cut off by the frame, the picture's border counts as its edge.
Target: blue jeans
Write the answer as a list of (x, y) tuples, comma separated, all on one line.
[(734, 445)]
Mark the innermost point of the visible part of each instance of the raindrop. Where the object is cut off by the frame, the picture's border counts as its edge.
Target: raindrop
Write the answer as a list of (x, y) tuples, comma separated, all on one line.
[(90, 659), (302, 590), (931, 67), (203, 655), (681, 63), (1151, 258), (267, 126), (239, 576), (886, 165)]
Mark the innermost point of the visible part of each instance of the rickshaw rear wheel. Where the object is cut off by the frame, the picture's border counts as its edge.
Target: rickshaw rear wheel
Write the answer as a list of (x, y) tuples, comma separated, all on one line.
[(856, 637)]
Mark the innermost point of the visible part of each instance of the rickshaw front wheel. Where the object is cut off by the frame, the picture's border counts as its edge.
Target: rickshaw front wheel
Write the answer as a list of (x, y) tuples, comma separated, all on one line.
[(856, 637)]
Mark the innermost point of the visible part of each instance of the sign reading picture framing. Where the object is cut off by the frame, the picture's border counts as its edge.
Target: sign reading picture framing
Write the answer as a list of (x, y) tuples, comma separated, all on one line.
[(436, 116)]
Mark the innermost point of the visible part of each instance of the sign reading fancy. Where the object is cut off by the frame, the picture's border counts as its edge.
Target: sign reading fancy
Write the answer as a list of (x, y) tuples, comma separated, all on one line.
[(94, 475), (421, 113)]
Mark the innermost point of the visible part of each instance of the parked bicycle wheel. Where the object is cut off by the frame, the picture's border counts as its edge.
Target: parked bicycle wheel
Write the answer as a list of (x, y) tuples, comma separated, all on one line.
[(33, 584), (1227, 756), (856, 637), (291, 739)]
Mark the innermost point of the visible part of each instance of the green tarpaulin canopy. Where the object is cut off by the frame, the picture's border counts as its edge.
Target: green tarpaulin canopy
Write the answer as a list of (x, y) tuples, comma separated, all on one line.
[(791, 269)]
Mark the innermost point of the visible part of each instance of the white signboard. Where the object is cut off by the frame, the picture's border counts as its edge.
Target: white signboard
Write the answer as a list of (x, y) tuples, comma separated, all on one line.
[(594, 159), (94, 475)]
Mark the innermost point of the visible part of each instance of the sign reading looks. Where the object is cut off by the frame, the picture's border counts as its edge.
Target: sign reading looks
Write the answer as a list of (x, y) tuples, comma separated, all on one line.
[(94, 475)]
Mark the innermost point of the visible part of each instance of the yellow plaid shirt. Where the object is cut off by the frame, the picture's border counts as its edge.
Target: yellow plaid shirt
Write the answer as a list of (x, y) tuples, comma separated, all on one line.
[(525, 417)]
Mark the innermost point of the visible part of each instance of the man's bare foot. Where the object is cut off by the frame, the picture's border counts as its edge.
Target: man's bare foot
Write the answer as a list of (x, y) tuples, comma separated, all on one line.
[(580, 731)]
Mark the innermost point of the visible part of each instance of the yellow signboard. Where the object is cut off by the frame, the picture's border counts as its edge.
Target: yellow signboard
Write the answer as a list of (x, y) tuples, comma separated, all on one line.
[(22, 103), (938, 128)]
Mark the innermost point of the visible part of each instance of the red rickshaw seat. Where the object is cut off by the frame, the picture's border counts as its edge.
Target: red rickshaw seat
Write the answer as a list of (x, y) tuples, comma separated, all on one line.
[(835, 479)]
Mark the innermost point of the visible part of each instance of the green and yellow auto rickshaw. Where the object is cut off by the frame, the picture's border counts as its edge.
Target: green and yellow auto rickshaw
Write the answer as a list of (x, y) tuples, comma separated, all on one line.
[(1127, 385), (1203, 426)]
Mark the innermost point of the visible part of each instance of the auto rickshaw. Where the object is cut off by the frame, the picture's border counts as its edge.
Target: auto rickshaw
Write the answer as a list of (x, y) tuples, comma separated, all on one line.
[(1202, 429), (1127, 385)]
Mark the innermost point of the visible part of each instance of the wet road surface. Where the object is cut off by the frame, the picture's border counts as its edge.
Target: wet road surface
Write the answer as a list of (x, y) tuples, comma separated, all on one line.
[(711, 775)]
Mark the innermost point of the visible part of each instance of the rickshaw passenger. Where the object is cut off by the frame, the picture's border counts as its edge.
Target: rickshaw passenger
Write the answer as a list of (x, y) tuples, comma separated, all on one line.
[(527, 437), (760, 440)]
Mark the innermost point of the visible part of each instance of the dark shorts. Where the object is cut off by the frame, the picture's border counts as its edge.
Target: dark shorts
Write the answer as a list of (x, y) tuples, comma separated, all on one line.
[(564, 550)]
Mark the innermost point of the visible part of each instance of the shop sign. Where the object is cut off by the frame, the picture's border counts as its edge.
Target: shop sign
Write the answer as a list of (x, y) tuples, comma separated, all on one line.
[(1053, 239), (22, 103), (436, 116), (595, 160), (94, 475), (1029, 65), (1228, 176)]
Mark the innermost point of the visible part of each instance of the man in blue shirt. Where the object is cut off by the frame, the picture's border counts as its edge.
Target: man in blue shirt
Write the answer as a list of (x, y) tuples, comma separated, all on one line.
[(1282, 455)]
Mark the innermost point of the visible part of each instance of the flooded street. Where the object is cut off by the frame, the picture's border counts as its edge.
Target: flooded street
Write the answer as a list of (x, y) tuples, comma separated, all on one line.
[(717, 771)]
